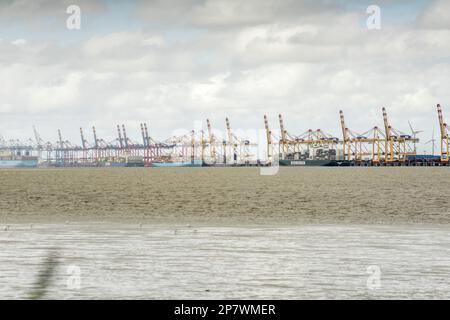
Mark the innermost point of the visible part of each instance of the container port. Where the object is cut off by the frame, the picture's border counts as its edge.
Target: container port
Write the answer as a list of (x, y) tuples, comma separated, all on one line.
[(379, 146)]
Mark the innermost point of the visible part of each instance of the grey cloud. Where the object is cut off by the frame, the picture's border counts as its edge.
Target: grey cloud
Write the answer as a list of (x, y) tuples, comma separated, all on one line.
[(232, 13), (25, 9), (436, 16), (303, 59)]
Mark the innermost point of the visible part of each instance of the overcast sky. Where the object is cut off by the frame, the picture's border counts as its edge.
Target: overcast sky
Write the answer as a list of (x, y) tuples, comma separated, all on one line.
[(171, 63)]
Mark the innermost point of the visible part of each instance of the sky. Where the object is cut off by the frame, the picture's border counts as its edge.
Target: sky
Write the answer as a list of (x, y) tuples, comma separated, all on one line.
[(174, 63)]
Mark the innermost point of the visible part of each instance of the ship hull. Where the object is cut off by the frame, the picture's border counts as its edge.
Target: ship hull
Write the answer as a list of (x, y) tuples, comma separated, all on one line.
[(195, 163), (313, 163), (18, 163), (113, 164), (122, 164)]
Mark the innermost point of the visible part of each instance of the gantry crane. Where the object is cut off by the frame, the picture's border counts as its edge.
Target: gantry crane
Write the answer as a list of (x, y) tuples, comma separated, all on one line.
[(66, 152), (60, 154), (312, 144), (153, 150), (84, 145), (346, 140), (39, 143), (125, 138), (239, 148), (268, 141), (445, 133), (119, 137), (390, 139), (144, 139), (146, 146), (193, 145), (232, 145), (211, 142), (289, 145), (397, 144), (360, 147), (284, 142)]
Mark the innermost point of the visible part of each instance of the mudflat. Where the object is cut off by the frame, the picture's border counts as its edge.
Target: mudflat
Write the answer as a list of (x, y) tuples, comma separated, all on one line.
[(226, 196)]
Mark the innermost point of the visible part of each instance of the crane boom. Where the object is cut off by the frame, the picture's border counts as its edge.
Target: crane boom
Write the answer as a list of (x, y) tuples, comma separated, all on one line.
[(211, 139), (283, 132), (441, 120), (143, 135), (268, 139), (345, 136), (95, 137), (389, 143), (61, 144), (38, 138), (445, 139), (83, 141), (120, 137), (230, 136), (208, 123), (192, 146), (268, 132), (147, 138), (387, 127), (125, 136), (283, 140), (344, 128)]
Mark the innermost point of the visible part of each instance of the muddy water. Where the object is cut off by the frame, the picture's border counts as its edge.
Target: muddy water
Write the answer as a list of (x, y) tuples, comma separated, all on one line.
[(209, 233), (226, 195)]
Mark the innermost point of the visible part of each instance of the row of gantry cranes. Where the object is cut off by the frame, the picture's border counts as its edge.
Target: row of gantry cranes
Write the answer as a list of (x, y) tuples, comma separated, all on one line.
[(377, 146), (388, 144), (206, 146)]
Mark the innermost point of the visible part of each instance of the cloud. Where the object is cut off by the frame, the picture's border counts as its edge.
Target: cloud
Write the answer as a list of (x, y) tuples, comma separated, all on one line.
[(19, 42), (220, 14), (191, 60), (21, 10), (436, 16)]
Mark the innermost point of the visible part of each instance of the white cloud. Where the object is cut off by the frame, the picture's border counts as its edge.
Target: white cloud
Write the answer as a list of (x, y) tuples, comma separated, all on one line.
[(121, 44), (305, 60), (19, 42), (46, 97)]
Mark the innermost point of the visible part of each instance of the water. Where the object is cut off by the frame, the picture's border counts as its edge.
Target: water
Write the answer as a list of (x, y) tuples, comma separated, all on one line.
[(229, 233), (227, 195), (173, 262)]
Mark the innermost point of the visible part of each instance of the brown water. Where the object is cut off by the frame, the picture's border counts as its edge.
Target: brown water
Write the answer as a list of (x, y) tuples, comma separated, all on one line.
[(226, 195), (210, 233)]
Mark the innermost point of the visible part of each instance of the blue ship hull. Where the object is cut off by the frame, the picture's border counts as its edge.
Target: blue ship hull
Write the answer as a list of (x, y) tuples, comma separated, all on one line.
[(18, 163), (114, 164), (194, 163)]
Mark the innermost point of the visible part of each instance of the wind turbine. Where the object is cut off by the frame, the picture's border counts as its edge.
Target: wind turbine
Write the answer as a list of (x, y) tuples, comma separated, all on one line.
[(414, 135), (433, 141)]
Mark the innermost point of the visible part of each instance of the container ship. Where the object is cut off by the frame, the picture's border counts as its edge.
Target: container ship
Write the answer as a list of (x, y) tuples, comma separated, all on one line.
[(190, 163), (18, 161), (128, 161), (314, 163), (327, 157)]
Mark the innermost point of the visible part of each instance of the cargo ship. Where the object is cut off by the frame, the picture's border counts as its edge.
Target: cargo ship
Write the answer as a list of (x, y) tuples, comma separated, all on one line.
[(13, 161), (190, 163), (127, 161), (118, 164), (314, 163), (317, 157)]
